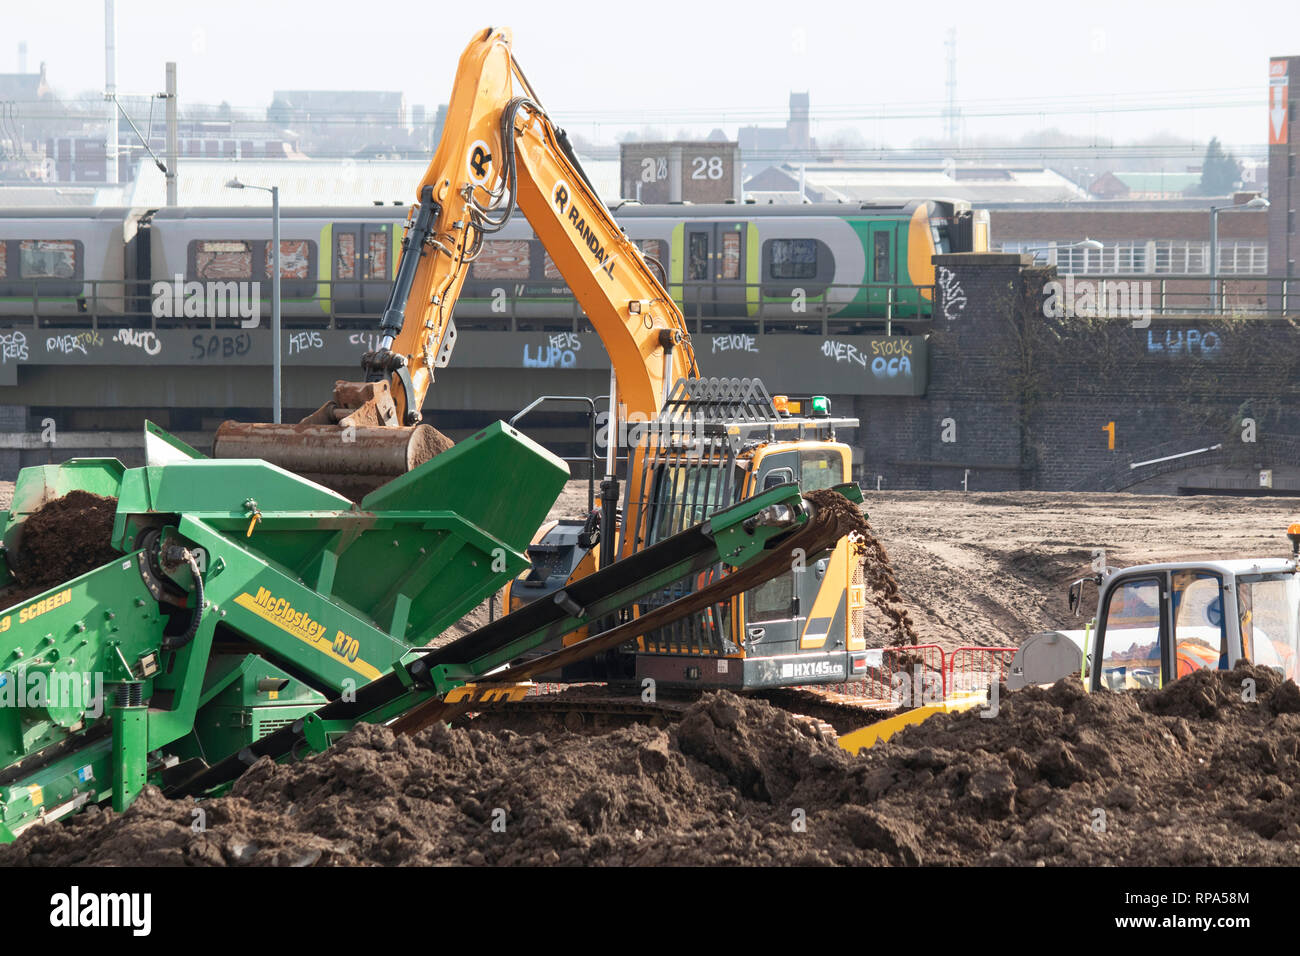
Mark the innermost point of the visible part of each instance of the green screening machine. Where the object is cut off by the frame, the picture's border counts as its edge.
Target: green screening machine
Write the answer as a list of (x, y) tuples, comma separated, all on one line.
[(249, 612)]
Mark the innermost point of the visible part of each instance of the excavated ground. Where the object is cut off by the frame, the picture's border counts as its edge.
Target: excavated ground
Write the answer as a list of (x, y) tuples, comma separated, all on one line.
[(1203, 772), (1206, 771)]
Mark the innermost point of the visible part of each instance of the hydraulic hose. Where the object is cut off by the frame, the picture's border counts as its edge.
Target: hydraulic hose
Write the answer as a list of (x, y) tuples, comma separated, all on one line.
[(174, 642)]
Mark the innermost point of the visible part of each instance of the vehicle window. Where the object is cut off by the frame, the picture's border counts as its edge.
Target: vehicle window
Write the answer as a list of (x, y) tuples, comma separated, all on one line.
[(880, 269), (345, 251), (653, 248), (731, 255), (503, 259), (686, 495), (940, 234), (549, 269), (4, 264), (47, 259), (1200, 639), (295, 255), (820, 469), (792, 258), (377, 256), (1131, 655), (223, 259), (1269, 610), (697, 260), (772, 600)]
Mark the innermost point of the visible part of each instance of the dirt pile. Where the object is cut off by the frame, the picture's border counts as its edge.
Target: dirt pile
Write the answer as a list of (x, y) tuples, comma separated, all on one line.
[(886, 617), (61, 540), (992, 568), (1206, 771)]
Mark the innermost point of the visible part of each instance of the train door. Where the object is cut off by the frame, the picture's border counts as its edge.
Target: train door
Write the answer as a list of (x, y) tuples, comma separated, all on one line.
[(362, 267), (882, 265), (715, 269)]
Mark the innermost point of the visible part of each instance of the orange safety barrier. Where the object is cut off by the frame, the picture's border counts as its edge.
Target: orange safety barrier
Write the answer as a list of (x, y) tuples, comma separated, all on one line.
[(972, 669), (905, 676)]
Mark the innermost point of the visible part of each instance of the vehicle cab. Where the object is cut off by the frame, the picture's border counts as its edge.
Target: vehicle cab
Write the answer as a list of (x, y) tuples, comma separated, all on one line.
[(1155, 623)]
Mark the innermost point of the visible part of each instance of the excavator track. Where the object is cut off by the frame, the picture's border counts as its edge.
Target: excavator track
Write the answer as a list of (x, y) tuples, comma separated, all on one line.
[(599, 708)]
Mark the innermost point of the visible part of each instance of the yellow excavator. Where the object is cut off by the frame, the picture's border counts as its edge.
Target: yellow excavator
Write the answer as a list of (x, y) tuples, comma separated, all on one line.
[(695, 445)]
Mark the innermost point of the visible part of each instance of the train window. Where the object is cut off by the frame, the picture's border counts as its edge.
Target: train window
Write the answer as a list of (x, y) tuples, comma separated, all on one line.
[(377, 256), (294, 258), (223, 259), (792, 259), (47, 259), (880, 268), (345, 250), (502, 259), (731, 255), (652, 248), (4, 260), (550, 270), (939, 230), (697, 265)]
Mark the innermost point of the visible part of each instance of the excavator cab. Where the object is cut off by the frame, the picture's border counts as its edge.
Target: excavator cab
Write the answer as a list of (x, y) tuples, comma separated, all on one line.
[(718, 442)]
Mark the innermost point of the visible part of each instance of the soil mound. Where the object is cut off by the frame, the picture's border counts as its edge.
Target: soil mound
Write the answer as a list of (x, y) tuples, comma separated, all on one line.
[(885, 614), (1055, 776), (61, 540)]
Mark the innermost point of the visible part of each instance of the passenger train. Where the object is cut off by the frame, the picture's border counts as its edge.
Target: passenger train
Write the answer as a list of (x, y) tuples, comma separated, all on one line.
[(730, 260)]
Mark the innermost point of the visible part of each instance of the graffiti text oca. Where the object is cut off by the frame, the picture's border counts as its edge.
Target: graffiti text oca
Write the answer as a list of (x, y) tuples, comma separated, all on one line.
[(141, 339), (889, 360)]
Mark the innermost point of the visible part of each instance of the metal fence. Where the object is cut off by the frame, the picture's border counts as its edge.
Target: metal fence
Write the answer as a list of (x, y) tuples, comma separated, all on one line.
[(1172, 296), (753, 308)]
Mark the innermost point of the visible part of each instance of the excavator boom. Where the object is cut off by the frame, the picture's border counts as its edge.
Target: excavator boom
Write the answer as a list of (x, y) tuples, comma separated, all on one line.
[(498, 150)]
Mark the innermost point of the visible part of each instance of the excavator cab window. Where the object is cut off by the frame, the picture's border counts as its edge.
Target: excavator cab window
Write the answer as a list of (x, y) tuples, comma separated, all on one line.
[(821, 468), (687, 494), (778, 476)]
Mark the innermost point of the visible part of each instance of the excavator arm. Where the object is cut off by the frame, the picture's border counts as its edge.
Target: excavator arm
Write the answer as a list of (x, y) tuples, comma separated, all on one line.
[(498, 149)]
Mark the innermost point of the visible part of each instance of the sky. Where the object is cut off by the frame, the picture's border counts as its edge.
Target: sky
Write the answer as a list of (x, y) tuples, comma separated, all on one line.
[(1119, 70)]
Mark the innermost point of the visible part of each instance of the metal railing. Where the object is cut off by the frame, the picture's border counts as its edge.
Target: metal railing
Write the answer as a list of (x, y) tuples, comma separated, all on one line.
[(1123, 294), (708, 308)]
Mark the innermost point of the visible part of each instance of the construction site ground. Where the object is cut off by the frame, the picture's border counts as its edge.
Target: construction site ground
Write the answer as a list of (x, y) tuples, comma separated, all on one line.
[(1206, 771)]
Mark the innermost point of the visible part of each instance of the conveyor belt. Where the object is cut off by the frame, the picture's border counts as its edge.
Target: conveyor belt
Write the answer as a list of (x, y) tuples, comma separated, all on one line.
[(816, 536), (595, 596)]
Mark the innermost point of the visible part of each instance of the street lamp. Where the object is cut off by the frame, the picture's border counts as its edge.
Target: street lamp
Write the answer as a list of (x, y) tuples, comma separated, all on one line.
[(1259, 202), (275, 290)]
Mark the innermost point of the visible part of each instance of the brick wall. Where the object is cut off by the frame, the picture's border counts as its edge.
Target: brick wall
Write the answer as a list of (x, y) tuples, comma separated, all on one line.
[(1023, 400)]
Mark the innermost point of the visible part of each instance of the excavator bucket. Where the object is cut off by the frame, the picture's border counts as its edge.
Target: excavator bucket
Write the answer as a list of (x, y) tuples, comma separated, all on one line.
[(352, 445), (352, 460)]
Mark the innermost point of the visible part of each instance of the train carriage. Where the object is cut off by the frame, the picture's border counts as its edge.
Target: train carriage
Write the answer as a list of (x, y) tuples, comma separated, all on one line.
[(728, 266), (64, 260)]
